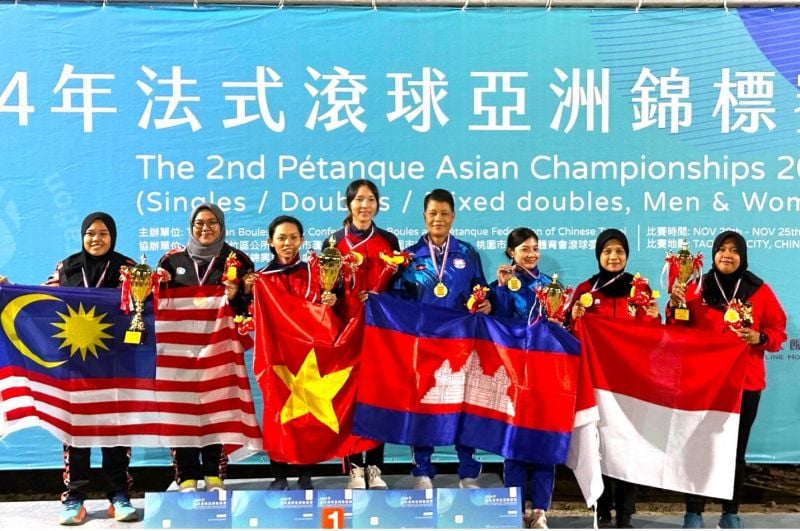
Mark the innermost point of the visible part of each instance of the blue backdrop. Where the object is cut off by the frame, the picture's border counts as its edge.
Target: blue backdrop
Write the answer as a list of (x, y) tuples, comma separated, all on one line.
[(670, 124)]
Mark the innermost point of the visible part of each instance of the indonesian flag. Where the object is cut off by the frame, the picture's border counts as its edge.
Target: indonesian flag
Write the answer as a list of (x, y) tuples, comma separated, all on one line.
[(669, 401), (305, 362), (65, 367)]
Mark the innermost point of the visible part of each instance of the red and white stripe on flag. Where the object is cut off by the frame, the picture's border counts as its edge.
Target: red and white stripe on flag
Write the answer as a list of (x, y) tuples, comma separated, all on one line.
[(203, 389), (669, 400)]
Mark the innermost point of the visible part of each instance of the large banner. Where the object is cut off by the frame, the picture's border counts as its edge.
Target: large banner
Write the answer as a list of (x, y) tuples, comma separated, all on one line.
[(669, 124)]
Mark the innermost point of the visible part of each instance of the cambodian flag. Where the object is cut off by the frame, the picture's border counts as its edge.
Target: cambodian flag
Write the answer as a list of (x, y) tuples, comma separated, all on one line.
[(433, 376)]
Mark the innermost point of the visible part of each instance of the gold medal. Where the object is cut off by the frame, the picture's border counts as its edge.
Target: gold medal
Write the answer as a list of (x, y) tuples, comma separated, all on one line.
[(440, 290), (514, 284)]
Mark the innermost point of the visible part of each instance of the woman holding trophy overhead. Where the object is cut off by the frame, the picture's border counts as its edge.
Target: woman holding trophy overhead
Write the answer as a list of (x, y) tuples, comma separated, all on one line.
[(97, 265), (732, 300), (204, 262), (607, 294), (290, 275), (516, 295), (361, 237)]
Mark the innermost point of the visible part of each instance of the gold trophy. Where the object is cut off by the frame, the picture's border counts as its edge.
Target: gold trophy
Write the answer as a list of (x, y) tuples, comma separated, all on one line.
[(330, 266), (554, 298), (137, 283), (684, 266)]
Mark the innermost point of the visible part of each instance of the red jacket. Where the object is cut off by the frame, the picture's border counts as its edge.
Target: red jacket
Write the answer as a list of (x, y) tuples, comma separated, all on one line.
[(294, 279), (604, 305), (768, 318), (373, 274)]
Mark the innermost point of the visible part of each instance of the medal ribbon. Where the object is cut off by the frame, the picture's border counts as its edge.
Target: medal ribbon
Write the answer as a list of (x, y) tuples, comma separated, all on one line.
[(288, 266), (202, 281), (350, 248), (102, 276), (722, 291), (432, 250), (596, 288)]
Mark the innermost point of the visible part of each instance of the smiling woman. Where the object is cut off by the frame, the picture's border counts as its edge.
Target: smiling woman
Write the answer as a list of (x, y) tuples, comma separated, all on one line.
[(97, 265), (606, 294), (730, 300), (202, 262)]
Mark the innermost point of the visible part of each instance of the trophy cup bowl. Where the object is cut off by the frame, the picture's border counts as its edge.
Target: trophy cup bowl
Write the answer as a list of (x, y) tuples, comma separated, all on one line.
[(140, 278), (685, 262), (330, 266), (554, 298)]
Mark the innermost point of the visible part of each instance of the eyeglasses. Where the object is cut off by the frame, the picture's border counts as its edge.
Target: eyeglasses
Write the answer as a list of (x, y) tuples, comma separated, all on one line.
[(211, 224)]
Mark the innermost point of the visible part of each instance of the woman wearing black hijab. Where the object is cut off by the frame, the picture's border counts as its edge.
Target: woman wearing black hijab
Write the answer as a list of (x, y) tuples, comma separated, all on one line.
[(729, 281), (609, 289), (202, 263), (97, 265)]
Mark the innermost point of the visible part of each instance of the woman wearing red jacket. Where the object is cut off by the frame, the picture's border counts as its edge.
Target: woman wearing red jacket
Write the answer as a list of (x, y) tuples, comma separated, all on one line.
[(610, 288), (361, 235), (288, 273), (728, 282)]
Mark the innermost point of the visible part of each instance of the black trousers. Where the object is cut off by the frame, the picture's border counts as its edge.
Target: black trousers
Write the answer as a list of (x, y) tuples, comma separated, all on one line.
[(617, 494), (188, 464), (284, 470), (374, 457), (697, 504), (77, 471)]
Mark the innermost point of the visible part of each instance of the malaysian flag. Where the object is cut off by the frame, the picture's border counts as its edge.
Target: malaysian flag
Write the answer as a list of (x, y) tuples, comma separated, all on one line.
[(65, 368)]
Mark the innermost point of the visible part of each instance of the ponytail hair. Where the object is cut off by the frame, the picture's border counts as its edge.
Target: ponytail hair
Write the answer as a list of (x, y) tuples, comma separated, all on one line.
[(352, 192)]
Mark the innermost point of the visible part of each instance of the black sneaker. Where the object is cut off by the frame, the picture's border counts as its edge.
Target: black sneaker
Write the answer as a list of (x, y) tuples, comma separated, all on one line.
[(304, 482), (604, 522), (624, 521), (279, 484)]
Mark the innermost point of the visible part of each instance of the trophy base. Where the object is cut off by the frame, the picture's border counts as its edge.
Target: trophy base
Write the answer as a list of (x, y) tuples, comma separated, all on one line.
[(681, 314), (133, 337)]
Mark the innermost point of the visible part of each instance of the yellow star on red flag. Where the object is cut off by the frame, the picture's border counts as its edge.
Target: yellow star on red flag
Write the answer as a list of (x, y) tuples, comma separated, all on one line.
[(311, 392)]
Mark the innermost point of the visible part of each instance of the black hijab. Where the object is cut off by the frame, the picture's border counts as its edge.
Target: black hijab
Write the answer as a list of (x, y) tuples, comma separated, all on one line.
[(621, 286), (95, 268), (749, 282)]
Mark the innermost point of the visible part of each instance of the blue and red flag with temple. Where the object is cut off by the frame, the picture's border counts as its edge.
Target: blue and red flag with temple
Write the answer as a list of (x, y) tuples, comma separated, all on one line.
[(433, 376)]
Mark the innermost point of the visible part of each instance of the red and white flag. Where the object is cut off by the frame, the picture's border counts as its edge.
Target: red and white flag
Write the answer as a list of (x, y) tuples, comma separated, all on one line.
[(669, 401), (203, 389)]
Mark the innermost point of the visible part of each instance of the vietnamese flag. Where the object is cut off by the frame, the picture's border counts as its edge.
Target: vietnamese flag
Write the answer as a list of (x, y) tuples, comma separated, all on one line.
[(305, 362), (669, 400), (433, 376)]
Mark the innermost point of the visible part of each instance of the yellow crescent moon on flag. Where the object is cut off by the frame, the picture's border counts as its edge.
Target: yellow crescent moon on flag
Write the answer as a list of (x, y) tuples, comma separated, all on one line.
[(8, 318)]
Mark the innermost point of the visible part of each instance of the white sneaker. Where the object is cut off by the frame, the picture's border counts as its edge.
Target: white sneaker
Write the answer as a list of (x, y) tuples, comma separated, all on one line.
[(423, 483), (539, 520), (356, 478), (468, 483), (374, 478)]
